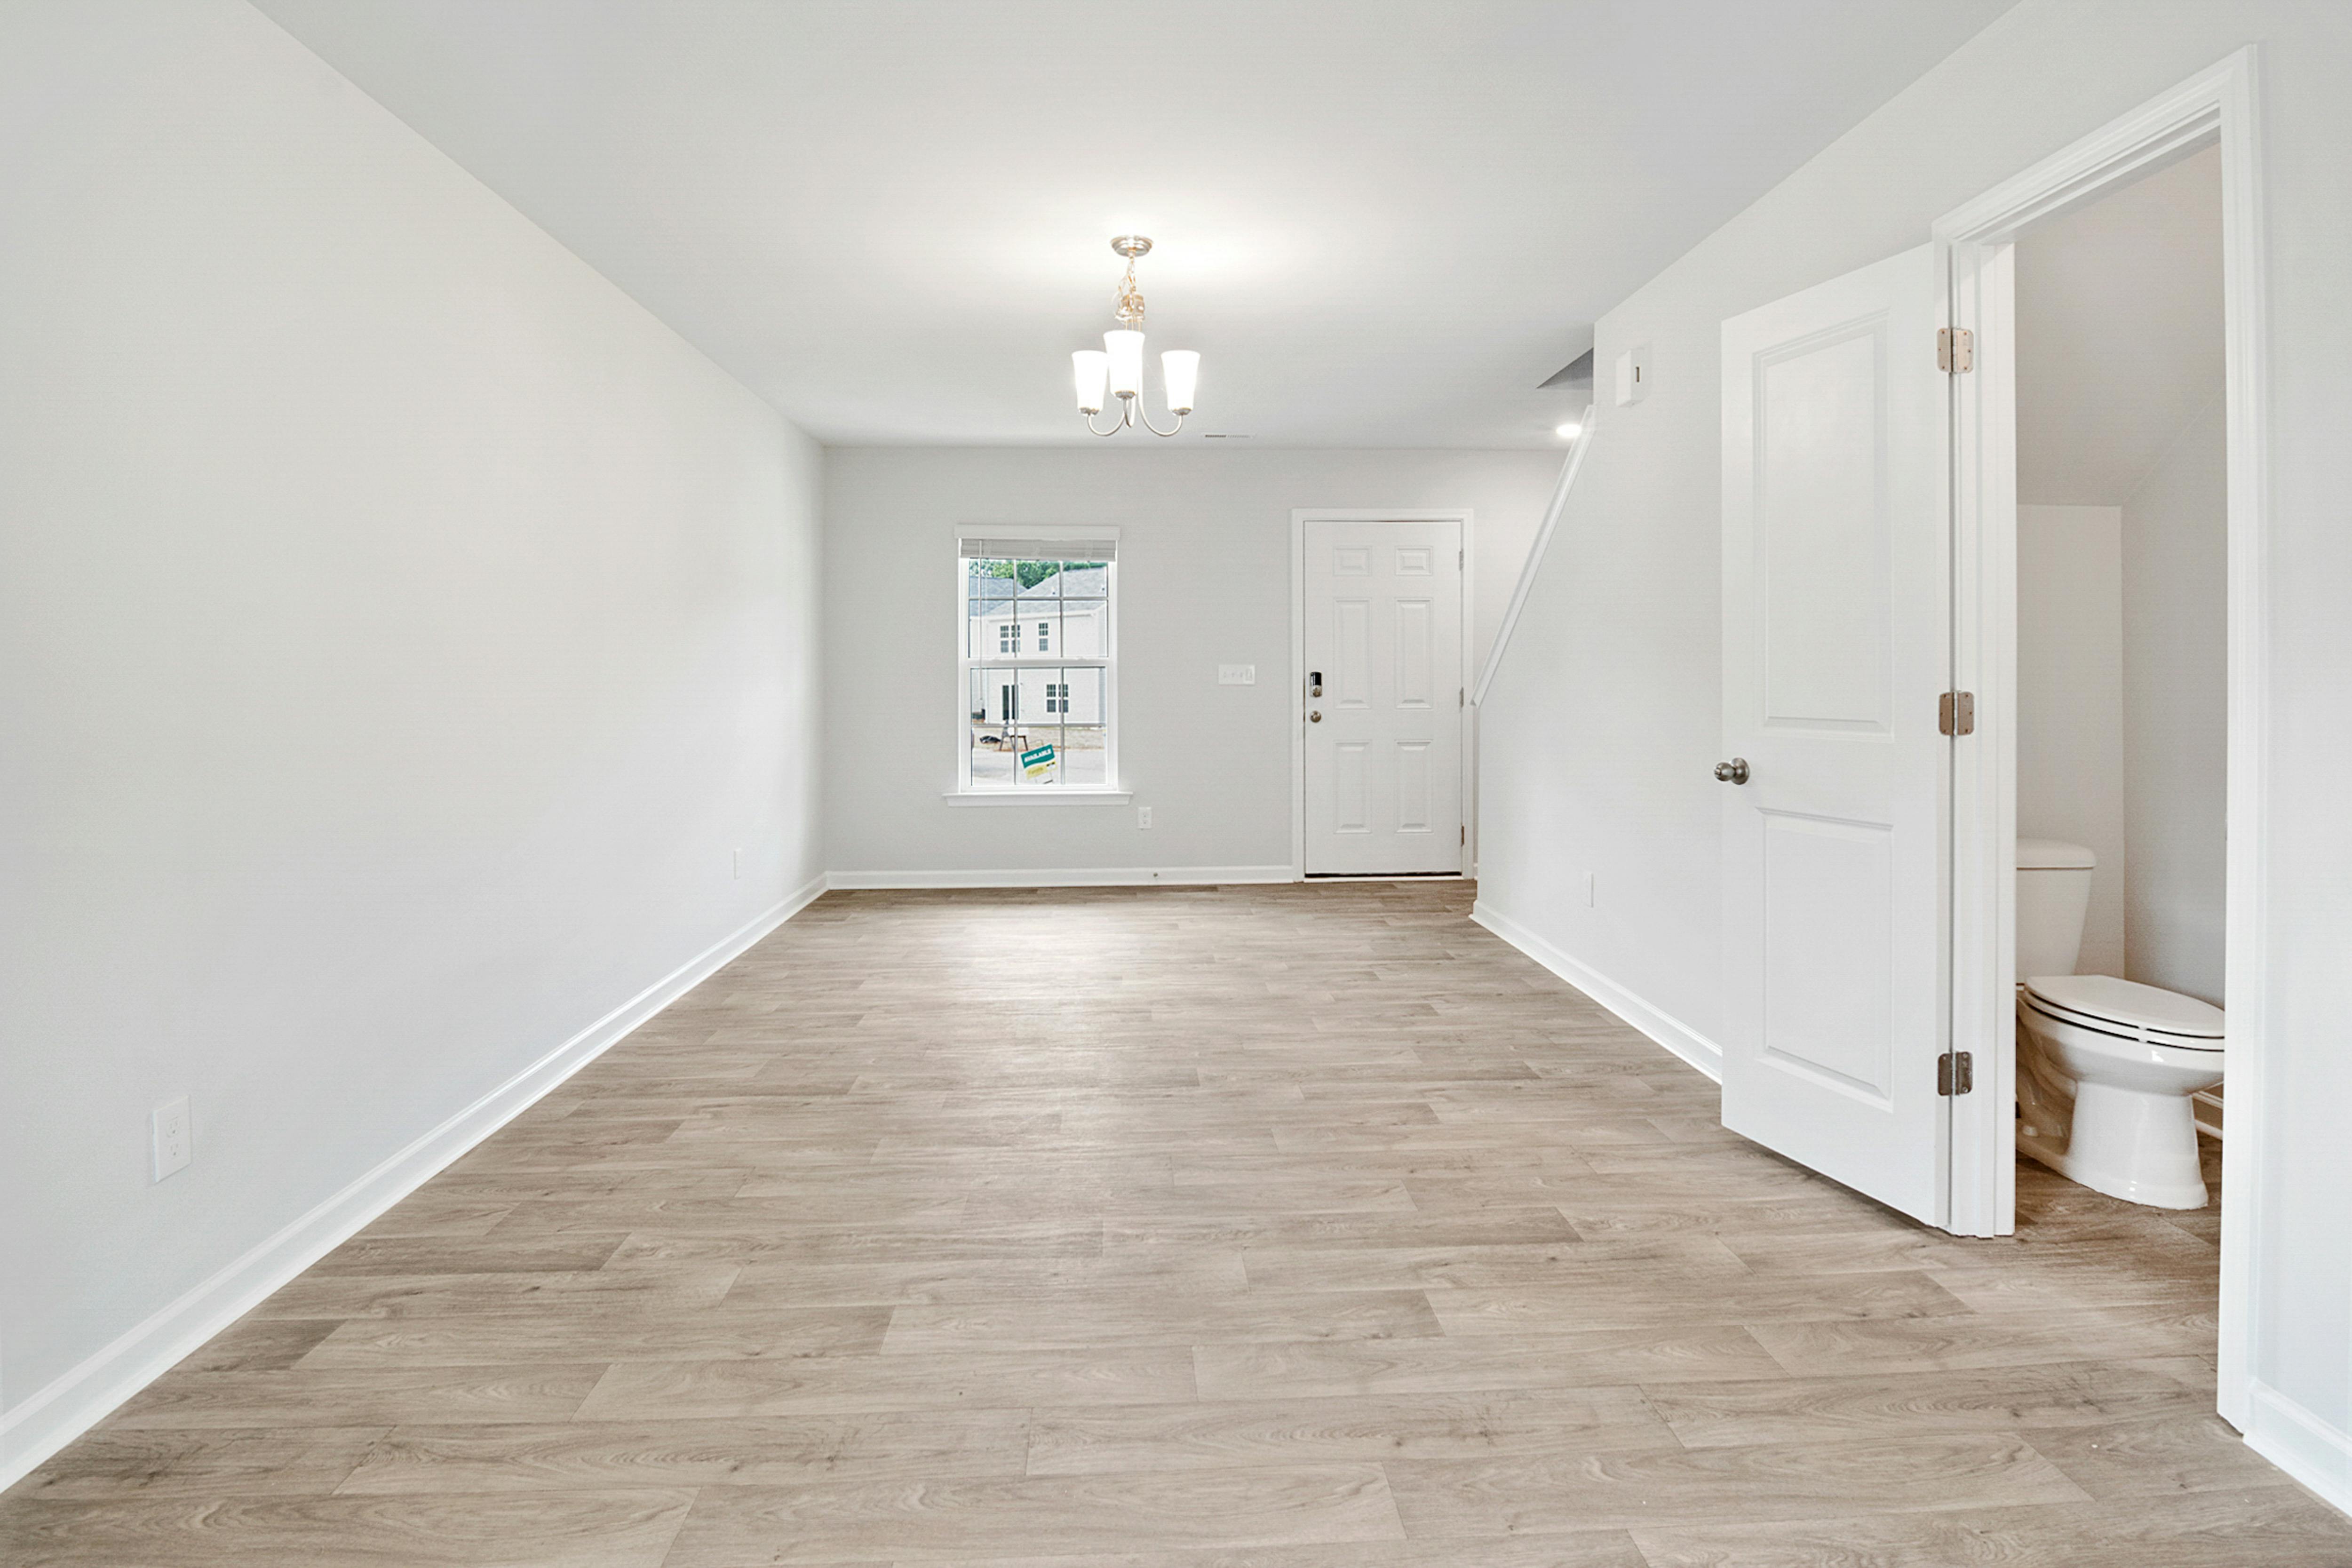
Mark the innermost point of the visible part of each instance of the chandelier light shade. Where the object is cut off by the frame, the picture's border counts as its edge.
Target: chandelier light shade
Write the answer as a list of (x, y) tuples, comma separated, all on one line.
[(1179, 370), (1126, 350), (1090, 368), (1116, 367)]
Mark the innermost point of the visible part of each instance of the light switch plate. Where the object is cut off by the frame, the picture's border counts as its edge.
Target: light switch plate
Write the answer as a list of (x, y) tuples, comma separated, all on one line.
[(1237, 675), (1634, 375), (174, 1147)]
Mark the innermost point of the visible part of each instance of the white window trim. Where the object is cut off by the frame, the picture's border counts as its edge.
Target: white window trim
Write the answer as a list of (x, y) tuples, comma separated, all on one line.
[(963, 793), (1054, 796)]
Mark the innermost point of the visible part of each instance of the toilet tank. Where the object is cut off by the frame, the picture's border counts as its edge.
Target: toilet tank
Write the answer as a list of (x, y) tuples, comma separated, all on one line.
[(2054, 894)]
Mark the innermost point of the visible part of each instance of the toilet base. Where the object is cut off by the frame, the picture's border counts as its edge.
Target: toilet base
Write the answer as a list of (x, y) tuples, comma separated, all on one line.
[(2055, 1156), (2140, 1147)]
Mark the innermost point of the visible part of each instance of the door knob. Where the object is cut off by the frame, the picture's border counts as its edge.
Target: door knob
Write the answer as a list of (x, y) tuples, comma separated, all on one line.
[(1733, 772), (1315, 718)]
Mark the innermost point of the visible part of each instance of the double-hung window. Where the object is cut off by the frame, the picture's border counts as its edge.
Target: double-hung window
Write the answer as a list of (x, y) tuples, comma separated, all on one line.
[(1039, 676)]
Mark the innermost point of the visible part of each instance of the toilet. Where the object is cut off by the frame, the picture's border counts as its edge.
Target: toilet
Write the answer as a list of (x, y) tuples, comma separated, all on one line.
[(2104, 1067)]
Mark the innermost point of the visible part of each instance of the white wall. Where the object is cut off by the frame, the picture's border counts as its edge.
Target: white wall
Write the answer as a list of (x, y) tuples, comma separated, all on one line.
[(1203, 580), (2176, 660), (1602, 726), (399, 628), (2118, 334), (2069, 703)]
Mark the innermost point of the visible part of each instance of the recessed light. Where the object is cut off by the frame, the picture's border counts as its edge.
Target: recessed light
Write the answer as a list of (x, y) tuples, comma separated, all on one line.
[(1567, 432)]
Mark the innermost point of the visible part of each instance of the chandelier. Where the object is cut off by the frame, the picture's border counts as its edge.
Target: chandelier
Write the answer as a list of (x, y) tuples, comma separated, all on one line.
[(1119, 364)]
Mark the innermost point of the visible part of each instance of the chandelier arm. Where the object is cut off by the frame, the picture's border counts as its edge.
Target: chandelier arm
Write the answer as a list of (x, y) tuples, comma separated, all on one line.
[(1114, 430), (1155, 429)]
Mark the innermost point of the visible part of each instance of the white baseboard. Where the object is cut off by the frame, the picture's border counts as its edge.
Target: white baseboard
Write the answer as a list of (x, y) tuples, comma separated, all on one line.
[(1659, 1025), (68, 1407), (1076, 877), (2298, 1441)]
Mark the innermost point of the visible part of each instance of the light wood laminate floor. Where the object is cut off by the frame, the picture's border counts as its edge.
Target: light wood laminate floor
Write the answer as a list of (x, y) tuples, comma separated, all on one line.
[(1258, 1228)]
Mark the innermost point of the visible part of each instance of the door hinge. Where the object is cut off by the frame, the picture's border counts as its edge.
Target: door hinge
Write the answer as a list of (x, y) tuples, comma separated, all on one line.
[(1465, 833), (1956, 350), (1460, 557), (1956, 713), (1462, 697), (1956, 1073)]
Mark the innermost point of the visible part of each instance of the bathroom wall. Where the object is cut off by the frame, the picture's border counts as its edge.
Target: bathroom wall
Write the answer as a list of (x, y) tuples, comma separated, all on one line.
[(2070, 760), (2176, 714)]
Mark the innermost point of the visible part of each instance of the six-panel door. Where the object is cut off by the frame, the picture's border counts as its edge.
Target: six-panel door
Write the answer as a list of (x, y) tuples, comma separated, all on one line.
[(1383, 629)]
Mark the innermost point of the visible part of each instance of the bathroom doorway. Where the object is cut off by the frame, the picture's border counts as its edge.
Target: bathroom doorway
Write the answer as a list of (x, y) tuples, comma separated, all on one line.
[(2107, 530), (2122, 705)]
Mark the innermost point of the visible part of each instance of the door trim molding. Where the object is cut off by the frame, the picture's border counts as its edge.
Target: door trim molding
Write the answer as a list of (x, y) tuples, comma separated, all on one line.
[(1299, 518), (2217, 106)]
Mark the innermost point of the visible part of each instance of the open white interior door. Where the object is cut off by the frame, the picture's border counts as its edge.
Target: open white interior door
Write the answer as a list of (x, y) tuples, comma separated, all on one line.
[(1836, 617)]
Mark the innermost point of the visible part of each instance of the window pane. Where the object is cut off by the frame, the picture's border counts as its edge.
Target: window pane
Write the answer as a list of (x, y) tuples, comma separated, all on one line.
[(1080, 735), (1082, 613), (996, 725), (989, 588)]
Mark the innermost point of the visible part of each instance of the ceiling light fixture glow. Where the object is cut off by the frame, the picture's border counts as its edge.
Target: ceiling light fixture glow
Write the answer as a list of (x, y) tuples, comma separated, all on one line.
[(1119, 362), (1569, 431)]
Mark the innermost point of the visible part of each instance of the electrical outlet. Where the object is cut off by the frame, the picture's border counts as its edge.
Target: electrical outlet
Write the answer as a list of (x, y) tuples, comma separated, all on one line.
[(1143, 816), (173, 1146), (1237, 675), (738, 864)]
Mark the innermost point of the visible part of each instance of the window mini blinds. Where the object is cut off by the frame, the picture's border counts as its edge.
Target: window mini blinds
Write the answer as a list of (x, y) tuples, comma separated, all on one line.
[(1088, 549)]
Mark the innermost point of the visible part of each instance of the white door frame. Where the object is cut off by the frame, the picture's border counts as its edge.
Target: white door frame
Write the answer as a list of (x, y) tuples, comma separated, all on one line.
[(1299, 518), (1974, 243)]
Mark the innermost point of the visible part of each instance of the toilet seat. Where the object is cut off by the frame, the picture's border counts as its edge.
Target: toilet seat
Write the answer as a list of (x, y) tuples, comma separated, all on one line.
[(2125, 1010)]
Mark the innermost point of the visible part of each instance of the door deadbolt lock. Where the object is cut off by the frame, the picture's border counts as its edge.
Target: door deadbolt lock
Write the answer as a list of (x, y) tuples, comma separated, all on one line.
[(1315, 718), (1314, 683), (1734, 772)]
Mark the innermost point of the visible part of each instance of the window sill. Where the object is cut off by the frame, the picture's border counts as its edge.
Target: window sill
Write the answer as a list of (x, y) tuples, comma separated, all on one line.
[(1038, 796)]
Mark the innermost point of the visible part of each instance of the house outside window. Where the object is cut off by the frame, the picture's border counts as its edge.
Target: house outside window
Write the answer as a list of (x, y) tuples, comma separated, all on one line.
[(1059, 690)]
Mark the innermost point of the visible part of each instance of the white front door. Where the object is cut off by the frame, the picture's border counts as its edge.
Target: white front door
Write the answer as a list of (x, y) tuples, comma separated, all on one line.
[(1836, 634), (1383, 643)]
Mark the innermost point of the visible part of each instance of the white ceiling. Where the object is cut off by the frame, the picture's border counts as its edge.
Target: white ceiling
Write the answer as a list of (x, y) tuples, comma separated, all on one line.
[(1381, 222), (2119, 334)]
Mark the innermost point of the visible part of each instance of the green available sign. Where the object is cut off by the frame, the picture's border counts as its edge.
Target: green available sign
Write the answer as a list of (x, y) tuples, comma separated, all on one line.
[(1039, 763)]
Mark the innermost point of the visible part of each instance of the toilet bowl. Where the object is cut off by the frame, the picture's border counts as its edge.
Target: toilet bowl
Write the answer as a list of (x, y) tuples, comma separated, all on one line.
[(2104, 1067)]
